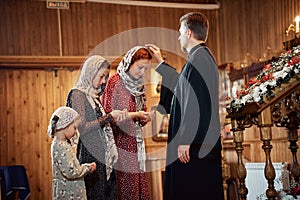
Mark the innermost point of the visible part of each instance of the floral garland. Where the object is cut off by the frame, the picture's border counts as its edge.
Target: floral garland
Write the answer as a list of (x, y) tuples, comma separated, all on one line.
[(272, 76)]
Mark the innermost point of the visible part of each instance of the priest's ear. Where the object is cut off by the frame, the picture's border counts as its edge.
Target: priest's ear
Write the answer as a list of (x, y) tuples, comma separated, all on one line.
[(189, 33)]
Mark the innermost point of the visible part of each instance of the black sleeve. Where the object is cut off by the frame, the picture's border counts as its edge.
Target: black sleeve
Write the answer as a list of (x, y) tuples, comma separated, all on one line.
[(169, 80)]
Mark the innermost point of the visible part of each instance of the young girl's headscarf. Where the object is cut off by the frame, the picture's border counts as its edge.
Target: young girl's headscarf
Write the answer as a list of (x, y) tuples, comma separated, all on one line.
[(61, 118)]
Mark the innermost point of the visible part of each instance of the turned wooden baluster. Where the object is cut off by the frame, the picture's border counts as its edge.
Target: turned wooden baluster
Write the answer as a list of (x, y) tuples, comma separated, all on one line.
[(238, 139), (265, 124), (293, 138), (225, 175)]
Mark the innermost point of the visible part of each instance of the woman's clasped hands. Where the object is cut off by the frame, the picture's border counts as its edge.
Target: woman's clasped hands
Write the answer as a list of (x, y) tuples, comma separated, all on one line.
[(142, 116), (120, 115)]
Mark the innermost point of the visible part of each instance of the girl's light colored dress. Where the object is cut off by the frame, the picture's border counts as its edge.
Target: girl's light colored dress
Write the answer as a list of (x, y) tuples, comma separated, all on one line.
[(68, 182)]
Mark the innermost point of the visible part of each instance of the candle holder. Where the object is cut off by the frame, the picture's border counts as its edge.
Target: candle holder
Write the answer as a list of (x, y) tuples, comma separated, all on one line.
[(291, 28), (297, 28), (294, 28)]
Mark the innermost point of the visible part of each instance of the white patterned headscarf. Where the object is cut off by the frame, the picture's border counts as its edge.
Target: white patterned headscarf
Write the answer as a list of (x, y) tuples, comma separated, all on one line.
[(61, 118), (136, 87), (89, 71)]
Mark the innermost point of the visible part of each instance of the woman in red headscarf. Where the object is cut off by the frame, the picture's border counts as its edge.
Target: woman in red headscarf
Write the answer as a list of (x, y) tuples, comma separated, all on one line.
[(125, 90)]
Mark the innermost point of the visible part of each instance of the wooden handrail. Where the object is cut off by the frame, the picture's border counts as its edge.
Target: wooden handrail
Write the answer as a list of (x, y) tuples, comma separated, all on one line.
[(44, 62)]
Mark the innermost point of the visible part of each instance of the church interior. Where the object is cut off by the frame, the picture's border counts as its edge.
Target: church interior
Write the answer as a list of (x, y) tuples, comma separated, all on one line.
[(43, 44)]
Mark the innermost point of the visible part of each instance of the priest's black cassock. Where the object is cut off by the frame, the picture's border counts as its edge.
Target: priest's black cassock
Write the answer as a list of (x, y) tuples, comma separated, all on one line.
[(192, 99)]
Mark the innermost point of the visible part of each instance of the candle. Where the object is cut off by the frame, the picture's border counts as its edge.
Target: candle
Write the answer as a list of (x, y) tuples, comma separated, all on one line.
[(297, 20)]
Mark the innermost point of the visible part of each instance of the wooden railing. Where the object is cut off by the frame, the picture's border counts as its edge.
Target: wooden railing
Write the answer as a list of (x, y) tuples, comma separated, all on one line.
[(282, 110)]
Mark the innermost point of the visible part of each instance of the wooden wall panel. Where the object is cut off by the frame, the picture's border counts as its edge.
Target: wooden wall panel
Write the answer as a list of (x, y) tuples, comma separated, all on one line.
[(24, 120), (30, 28), (36, 30), (237, 28), (252, 26), (28, 97), (3, 113)]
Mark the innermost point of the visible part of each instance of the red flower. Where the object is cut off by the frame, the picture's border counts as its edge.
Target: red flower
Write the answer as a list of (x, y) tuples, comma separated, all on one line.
[(296, 190), (241, 93), (294, 60), (251, 82), (267, 77), (267, 67)]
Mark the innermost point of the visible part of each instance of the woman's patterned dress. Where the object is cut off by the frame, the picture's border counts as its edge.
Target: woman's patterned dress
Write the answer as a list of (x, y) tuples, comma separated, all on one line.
[(132, 183)]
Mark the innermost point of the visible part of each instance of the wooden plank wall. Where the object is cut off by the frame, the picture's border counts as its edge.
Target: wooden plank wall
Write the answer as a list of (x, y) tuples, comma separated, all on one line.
[(29, 96), (32, 29), (253, 26), (237, 28)]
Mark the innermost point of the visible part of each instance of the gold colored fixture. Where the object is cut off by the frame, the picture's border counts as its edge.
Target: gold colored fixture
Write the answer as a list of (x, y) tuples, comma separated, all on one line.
[(294, 28)]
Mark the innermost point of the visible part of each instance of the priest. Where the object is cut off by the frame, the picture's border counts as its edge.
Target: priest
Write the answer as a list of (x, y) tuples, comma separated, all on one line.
[(193, 164)]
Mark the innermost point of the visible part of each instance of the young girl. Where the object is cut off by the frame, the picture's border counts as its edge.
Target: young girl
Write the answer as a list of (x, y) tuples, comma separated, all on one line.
[(67, 172)]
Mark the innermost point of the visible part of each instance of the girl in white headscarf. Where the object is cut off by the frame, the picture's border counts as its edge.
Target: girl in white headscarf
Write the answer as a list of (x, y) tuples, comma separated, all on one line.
[(125, 90), (96, 143), (67, 172)]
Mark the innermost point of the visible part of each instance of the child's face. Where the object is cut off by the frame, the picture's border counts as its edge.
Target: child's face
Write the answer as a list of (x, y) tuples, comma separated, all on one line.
[(71, 131)]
